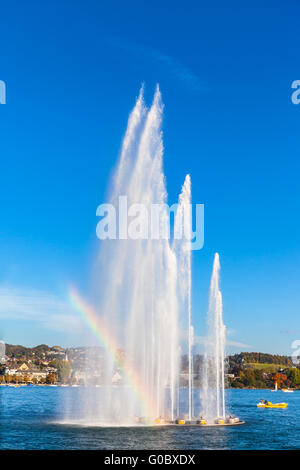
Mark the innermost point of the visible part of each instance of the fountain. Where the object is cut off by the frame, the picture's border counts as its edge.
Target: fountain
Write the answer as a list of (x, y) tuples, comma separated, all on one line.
[(137, 285), (213, 375), (213, 399), (143, 297)]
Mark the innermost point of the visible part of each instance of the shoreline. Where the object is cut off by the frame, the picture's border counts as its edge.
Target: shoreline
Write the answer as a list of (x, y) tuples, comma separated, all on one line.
[(101, 386)]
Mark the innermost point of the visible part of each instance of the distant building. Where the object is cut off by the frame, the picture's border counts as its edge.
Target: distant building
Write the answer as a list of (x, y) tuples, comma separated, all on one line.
[(25, 371), (116, 379), (10, 371)]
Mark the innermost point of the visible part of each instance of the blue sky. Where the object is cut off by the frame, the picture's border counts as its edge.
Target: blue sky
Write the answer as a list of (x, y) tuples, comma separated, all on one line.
[(73, 70)]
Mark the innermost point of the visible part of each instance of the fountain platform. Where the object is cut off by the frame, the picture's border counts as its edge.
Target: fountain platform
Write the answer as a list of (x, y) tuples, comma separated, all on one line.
[(191, 423), (207, 425)]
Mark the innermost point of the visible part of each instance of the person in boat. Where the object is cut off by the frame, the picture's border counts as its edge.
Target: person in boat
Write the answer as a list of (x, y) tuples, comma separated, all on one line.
[(264, 402)]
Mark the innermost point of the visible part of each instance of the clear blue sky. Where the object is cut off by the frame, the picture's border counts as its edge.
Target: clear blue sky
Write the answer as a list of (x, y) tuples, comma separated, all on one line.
[(73, 70)]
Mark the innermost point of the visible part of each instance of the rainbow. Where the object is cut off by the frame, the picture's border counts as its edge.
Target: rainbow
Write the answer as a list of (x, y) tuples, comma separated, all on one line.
[(103, 335)]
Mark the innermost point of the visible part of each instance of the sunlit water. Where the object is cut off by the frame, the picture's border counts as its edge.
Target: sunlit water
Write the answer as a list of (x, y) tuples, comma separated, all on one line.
[(31, 418)]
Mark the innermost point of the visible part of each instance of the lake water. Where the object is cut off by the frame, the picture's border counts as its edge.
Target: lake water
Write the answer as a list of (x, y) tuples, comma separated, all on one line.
[(31, 419)]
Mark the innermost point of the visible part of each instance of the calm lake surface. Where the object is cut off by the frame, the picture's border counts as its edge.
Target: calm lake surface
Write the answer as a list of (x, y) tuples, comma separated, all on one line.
[(30, 419)]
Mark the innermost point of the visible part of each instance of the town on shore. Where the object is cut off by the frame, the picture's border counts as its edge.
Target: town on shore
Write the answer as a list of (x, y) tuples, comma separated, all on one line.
[(83, 366)]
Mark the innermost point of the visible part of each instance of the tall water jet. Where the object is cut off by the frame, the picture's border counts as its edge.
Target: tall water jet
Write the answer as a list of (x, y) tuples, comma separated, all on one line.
[(213, 386), (182, 246), (137, 284)]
